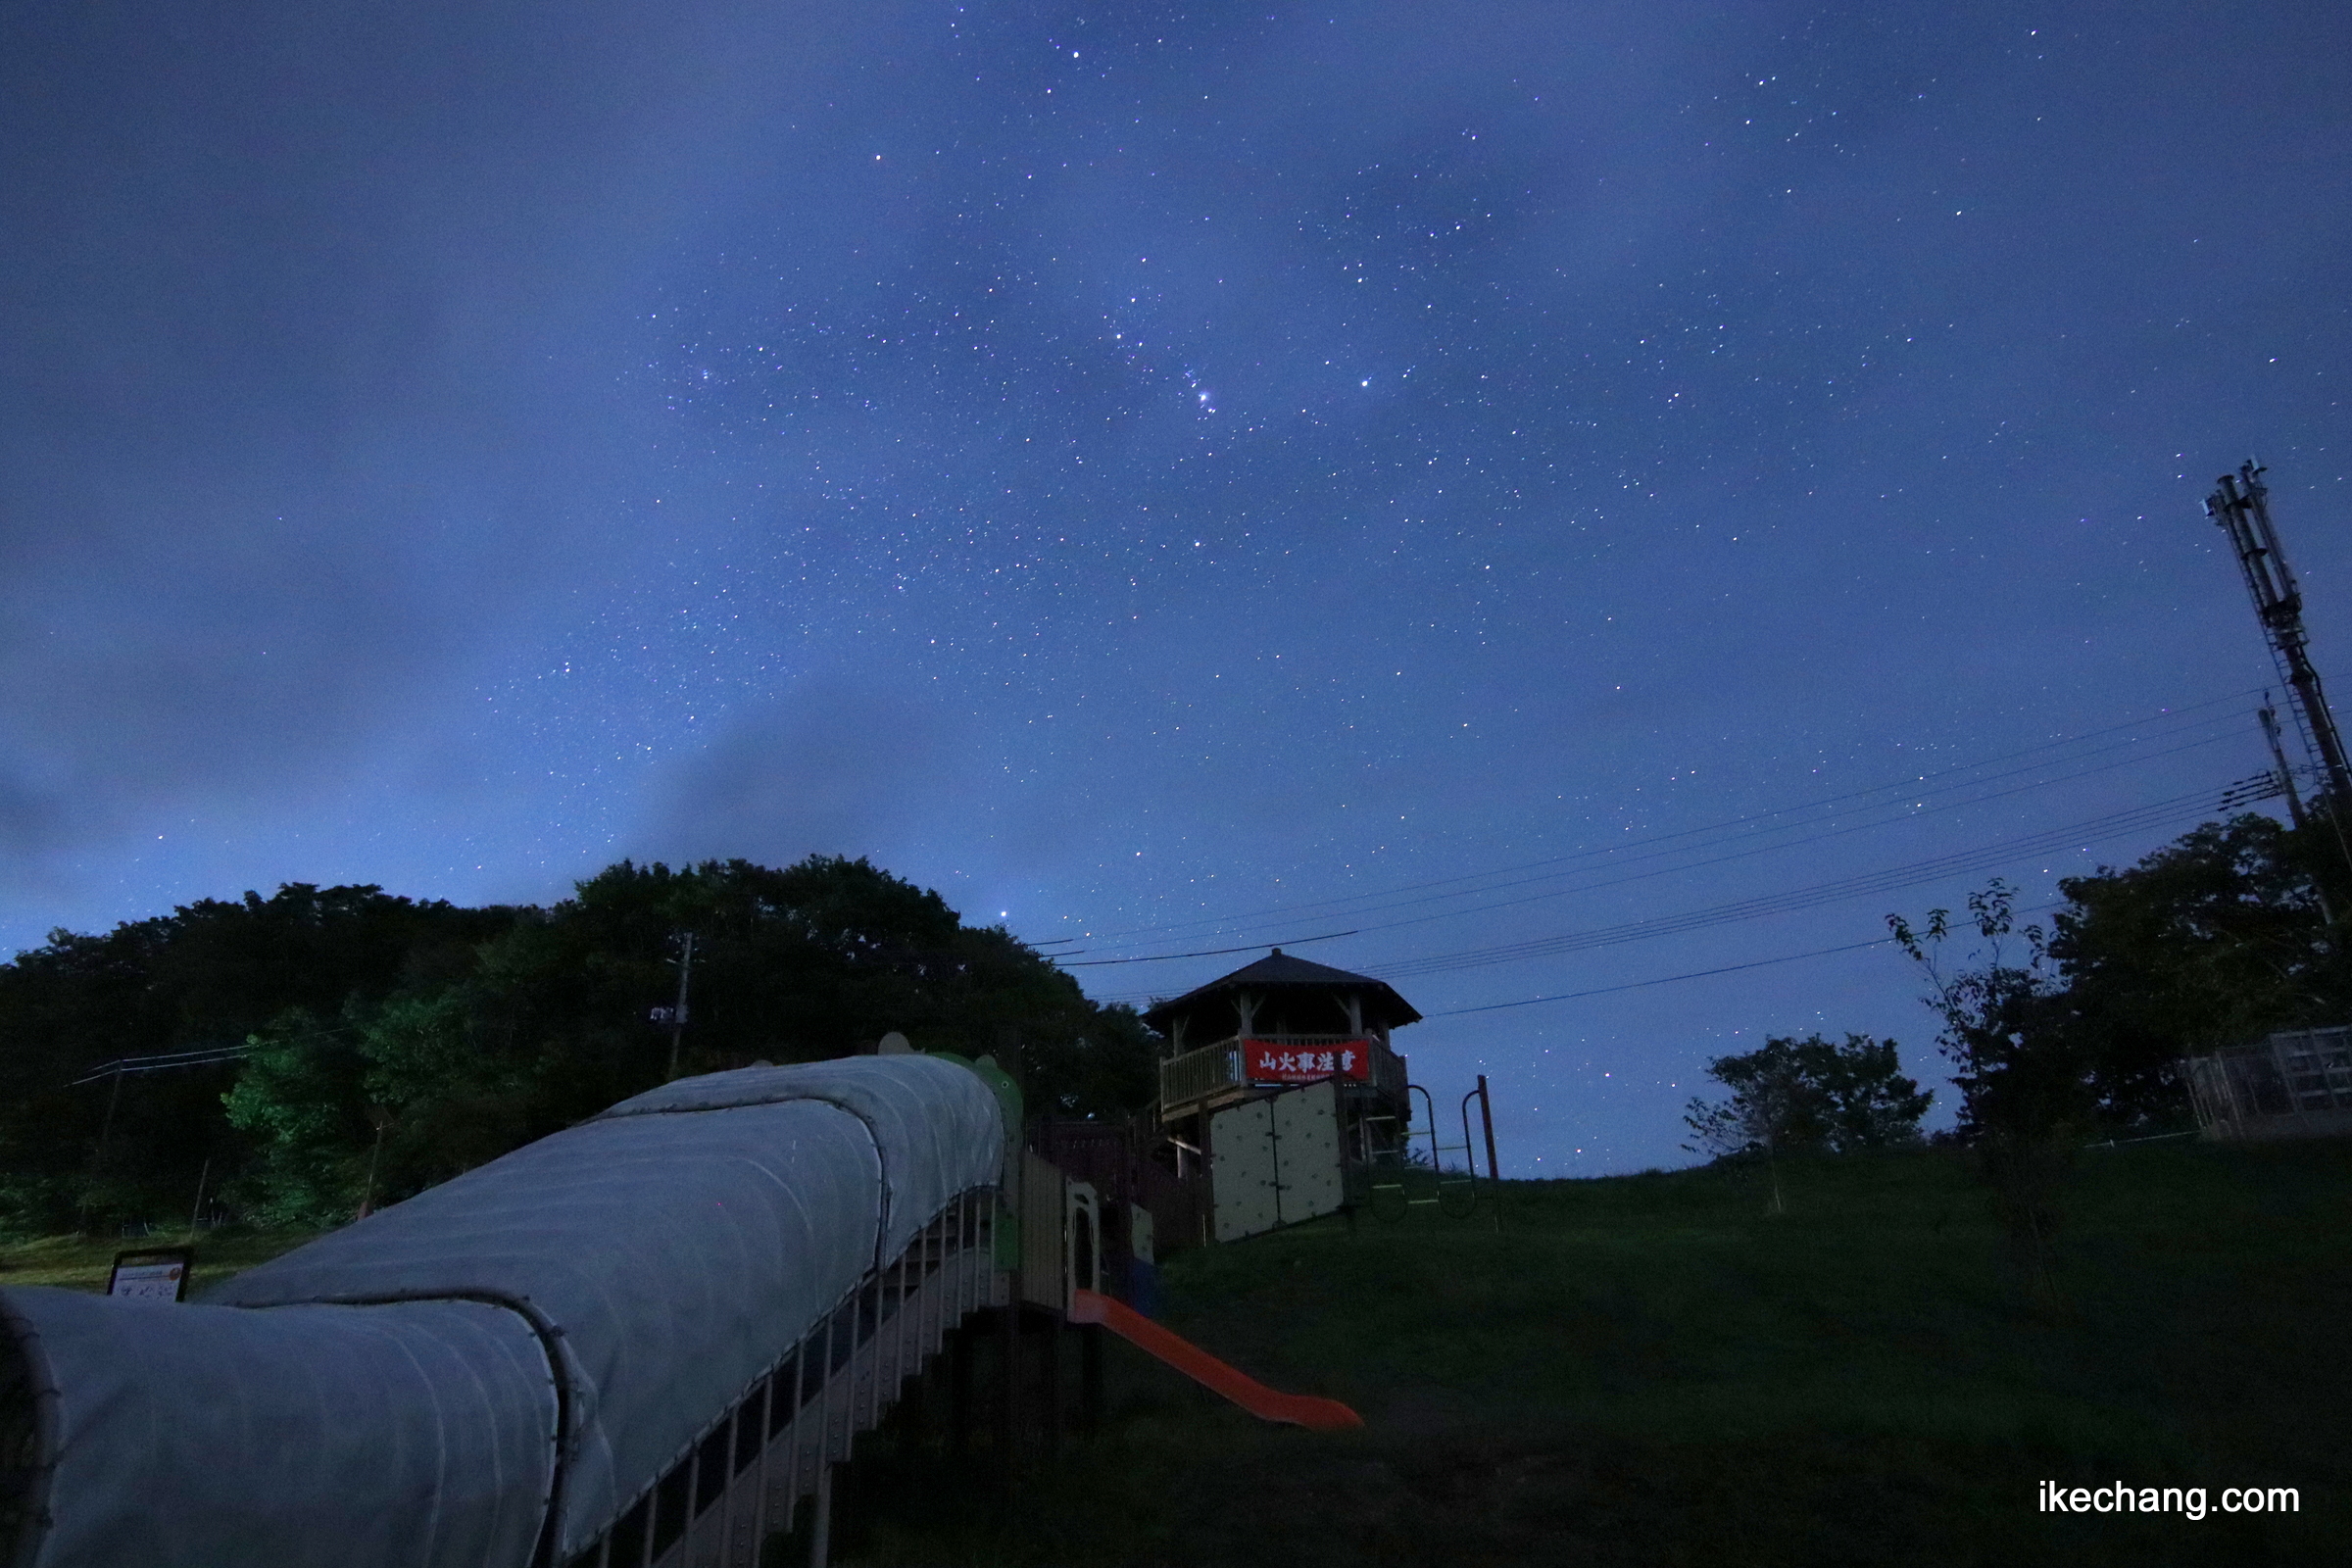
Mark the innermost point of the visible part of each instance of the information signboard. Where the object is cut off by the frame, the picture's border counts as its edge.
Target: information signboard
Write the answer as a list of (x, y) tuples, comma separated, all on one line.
[(152, 1274), (1289, 1061)]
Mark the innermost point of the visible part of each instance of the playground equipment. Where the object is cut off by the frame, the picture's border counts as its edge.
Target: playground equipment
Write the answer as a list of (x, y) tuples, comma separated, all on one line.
[(1399, 1184), (1267, 1404), (1292, 1120), (642, 1343)]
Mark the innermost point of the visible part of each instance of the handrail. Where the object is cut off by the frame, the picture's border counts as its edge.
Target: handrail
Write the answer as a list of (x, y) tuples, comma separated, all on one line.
[(745, 1476), (1201, 1072)]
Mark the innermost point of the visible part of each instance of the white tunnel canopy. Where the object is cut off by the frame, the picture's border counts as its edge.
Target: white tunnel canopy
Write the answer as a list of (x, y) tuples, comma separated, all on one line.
[(303, 1437), (671, 1251)]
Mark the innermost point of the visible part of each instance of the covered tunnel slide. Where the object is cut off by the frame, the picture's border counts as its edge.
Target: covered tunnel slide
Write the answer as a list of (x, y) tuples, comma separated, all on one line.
[(639, 1340)]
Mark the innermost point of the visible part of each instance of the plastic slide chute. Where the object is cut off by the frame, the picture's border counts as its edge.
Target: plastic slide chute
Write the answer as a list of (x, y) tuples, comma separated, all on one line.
[(1267, 1404)]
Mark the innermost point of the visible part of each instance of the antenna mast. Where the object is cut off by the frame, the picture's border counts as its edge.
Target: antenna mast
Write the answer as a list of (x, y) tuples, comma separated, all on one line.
[(2240, 506)]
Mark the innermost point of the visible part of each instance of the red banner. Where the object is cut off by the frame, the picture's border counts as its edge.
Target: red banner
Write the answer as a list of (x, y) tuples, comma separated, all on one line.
[(1271, 1061)]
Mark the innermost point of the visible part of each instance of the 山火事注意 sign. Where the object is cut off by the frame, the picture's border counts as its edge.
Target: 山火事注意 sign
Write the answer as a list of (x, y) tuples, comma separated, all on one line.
[(1279, 1061)]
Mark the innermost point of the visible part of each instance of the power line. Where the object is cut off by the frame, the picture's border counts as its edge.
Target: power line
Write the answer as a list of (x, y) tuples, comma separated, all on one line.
[(1903, 814), (1696, 975), (195, 1057), (1760, 824), (1664, 980), (161, 1064), (1740, 855), (1891, 879), (2114, 825), (1207, 953)]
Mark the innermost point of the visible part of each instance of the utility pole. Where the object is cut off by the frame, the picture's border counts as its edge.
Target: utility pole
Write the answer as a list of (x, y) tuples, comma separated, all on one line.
[(196, 1214), (677, 1014), (2294, 801), (2239, 506), (106, 1129), (2286, 775)]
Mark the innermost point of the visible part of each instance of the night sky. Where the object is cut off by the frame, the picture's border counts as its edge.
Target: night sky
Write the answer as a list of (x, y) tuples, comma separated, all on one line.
[(1574, 494)]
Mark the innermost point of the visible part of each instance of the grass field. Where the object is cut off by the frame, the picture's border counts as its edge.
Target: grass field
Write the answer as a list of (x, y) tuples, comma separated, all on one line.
[(1650, 1369), (81, 1262)]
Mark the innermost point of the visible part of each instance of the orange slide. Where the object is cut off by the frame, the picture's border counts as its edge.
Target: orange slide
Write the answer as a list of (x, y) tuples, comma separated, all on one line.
[(1298, 1410)]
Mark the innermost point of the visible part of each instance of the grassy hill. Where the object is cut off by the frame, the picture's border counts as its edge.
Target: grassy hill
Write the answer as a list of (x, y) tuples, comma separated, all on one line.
[(1652, 1370)]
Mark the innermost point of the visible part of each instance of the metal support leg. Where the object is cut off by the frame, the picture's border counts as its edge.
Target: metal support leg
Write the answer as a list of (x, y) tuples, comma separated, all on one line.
[(820, 1521)]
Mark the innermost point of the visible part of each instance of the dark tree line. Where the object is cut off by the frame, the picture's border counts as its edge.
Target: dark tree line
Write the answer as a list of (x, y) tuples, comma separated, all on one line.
[(393, 1044), (1809, 1097), (2075, 1029), (2074, 1032), (2228, 933)]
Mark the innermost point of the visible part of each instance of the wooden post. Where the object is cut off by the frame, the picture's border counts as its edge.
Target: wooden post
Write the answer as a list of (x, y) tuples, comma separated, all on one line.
[(106, 1130), (960, 1390), (1089, 1375), (1049, 1376), (1008, 1407), (677, 1016), (1486, 1114), (197, 1214)]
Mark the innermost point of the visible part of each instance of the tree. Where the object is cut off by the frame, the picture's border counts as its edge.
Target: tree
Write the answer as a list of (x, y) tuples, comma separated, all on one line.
[(2004, 1019), (550, 1026), (1808, 1095), (2211, 941), (2025, 1100), (301, 1098), (395, 1043), (209, 975)]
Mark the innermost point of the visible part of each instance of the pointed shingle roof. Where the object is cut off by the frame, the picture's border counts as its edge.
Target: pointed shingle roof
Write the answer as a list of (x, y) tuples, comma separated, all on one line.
[(1278, 971)]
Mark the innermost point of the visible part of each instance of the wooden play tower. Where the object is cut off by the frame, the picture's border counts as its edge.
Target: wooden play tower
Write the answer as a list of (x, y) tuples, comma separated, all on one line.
[(1280, 1022)]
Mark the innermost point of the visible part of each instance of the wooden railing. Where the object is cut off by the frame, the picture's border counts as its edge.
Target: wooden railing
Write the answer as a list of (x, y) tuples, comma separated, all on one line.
[(1387, 1071), (1198, 1074)]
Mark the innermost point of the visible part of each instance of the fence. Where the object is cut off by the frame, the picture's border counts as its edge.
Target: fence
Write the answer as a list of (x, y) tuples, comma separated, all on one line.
[(2296, 1084)]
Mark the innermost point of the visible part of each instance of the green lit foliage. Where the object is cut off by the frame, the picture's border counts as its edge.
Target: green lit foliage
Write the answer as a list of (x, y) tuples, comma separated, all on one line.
[(394, 1045), (300, 1098), (206, 975)]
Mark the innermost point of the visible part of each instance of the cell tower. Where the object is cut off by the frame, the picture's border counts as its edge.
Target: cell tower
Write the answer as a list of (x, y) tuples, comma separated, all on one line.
[(2240, 506)]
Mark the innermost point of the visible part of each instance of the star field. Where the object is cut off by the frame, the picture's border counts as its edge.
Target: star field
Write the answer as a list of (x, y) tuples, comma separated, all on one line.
[(1184, 478)]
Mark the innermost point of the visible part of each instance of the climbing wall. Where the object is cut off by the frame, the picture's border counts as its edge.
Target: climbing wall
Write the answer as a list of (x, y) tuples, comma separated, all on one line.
[(1276, 1161)]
